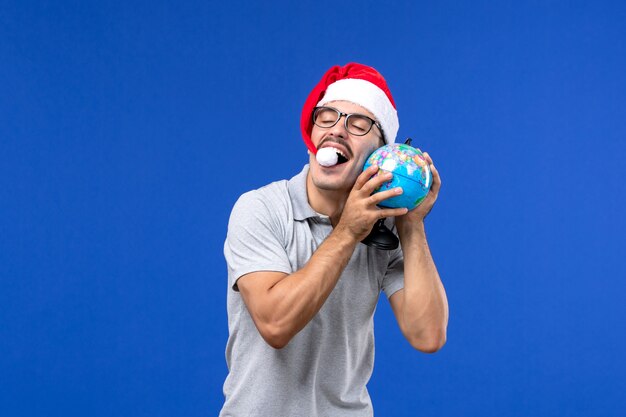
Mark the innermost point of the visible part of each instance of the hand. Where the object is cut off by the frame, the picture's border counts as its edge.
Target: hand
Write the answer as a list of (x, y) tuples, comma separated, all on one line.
[(360, 211), (419, 213)]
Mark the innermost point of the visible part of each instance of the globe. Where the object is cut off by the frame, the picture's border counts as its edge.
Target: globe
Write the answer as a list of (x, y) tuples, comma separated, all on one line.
[(410, 171)]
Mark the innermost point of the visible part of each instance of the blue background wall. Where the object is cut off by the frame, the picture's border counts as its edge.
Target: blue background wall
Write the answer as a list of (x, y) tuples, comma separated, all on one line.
[(128, 130)]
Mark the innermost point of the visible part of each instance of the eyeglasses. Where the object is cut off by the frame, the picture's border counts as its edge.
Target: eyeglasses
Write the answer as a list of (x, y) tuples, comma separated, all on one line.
[(356, 124)]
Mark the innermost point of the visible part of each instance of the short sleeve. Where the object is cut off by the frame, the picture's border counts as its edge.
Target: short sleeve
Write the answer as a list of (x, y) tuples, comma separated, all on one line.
[(393, 280), (255, 238)]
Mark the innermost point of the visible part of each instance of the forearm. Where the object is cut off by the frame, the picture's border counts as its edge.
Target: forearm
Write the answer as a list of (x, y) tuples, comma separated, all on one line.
[(294, 300), (424, 315)]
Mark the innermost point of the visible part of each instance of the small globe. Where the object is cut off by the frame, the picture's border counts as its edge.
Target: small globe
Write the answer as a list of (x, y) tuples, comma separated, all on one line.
[(410, 171)]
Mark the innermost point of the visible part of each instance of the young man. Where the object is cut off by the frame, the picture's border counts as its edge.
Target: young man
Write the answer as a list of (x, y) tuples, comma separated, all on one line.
[(302, 288)]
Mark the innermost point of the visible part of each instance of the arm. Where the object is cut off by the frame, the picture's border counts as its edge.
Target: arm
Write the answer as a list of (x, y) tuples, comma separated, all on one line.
[(282, 304), (421, 308)]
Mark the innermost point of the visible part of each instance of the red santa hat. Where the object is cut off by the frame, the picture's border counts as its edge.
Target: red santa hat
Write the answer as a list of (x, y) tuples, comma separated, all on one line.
[(358, 84)]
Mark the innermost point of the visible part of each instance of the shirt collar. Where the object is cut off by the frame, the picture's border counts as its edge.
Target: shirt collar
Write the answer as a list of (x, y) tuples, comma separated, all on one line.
[(299, 199)]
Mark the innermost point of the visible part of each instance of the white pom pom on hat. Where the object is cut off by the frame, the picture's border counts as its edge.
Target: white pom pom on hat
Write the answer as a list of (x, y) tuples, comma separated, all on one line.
[(356, 83)]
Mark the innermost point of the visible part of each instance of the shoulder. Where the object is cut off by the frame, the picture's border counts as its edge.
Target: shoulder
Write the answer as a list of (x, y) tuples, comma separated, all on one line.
[(265, 207), (269, 198)]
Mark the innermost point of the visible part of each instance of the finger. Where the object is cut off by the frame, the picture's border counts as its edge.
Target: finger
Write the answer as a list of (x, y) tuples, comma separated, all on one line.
[(436, 180), (383, 213), (384, 195), (428, 158), (365, 176), (374, 183)]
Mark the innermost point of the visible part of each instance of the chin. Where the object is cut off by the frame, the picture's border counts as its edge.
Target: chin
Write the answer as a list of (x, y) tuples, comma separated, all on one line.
[(330, 185), (337, 178)]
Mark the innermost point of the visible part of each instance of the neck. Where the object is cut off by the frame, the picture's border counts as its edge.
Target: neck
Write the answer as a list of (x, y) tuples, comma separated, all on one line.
[(327, 202)]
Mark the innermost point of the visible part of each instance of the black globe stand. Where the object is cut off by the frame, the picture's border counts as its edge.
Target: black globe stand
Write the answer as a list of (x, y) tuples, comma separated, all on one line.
[(381, 237)]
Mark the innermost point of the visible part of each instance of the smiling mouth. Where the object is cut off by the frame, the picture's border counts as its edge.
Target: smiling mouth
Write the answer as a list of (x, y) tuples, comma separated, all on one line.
[(333, 156), (341, 152)]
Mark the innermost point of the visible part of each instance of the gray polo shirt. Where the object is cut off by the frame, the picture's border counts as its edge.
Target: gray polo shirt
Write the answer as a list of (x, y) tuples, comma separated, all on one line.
[(324, 369)]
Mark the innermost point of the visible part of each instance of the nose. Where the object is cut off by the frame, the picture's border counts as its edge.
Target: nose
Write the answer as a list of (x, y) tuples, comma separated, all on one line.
[(339, 129)]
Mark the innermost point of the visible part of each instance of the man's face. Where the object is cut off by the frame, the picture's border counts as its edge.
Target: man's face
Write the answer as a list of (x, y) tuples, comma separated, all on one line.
[(356, 149)]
